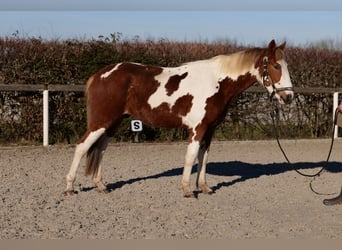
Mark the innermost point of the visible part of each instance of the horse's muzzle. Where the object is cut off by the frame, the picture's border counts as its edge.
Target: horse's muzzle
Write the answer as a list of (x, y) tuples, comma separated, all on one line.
[(287, 98)]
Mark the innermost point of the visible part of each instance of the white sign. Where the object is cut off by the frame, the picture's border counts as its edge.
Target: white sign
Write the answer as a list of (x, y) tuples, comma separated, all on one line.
[(136, 126)]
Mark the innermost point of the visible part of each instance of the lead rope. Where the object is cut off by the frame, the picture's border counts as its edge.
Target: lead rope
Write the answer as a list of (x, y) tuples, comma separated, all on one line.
[(266, 77), (273, 113)]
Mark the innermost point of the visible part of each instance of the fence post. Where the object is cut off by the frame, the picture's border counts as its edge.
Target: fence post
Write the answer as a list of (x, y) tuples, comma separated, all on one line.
[(45, 116), (335, 103)]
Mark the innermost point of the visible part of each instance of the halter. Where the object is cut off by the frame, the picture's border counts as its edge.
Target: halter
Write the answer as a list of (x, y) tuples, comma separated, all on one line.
[(266, 77)]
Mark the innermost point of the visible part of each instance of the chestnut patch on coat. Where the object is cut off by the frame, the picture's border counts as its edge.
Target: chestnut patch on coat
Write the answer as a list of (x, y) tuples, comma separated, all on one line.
[(183, 105), (166, 116), (217, 105), (124, 91), (173, 83)]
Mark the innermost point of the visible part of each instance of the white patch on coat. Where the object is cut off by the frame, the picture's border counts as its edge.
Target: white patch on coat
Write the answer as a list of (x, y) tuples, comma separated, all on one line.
[(108, 73), (202, 82), (235, 65), (285, 80)]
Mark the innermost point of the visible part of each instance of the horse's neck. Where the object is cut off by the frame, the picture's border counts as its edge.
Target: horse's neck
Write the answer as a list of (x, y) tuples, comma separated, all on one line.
[(236, 65), (237, 73)]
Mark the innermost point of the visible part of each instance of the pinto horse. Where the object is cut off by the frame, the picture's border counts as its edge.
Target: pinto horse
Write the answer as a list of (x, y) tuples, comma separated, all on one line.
[(194, 96)]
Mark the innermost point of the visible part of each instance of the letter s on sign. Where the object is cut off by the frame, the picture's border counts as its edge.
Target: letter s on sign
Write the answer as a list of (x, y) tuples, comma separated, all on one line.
[(136, 126)]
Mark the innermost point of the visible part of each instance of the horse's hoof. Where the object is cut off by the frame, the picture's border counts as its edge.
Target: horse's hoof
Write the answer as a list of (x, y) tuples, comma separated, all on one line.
[(190, 195), (205, 189), (210, 192), (103, 191), (69, 192)]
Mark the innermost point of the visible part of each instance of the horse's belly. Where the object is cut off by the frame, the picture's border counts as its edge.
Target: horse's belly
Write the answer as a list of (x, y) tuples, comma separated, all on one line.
[(159, 118)]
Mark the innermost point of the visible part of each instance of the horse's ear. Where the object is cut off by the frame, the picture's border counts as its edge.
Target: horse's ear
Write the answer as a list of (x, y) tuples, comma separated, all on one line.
[(279, 52), (272, 45), (282, 46)]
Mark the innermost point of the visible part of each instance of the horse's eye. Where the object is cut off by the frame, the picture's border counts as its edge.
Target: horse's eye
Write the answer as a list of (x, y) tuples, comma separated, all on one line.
[(277, 66)]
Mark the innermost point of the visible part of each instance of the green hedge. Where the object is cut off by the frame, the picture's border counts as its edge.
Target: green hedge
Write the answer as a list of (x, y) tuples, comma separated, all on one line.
[(36, 61)]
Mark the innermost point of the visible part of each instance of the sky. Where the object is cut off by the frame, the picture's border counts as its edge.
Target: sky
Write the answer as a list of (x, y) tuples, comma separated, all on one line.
[(247, 22)]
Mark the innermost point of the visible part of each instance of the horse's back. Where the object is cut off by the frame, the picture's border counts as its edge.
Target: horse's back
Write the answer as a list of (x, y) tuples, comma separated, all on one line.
[(123, 88)]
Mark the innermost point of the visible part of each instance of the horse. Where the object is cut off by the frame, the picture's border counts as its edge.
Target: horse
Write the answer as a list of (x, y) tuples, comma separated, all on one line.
[(194, 96)]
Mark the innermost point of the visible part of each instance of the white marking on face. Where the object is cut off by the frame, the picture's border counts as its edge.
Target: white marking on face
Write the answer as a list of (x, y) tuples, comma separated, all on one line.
[(108, 73), (284, 82)]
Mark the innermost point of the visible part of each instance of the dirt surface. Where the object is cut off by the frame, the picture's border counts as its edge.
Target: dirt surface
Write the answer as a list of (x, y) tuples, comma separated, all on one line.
[(257, 194)]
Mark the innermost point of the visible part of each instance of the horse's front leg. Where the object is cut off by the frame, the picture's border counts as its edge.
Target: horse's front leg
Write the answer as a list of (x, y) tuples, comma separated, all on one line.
[(201, 182), (191, 154)]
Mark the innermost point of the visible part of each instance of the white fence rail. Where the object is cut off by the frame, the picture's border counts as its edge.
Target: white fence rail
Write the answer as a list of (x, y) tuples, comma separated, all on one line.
[(335, 104), (45, 89)]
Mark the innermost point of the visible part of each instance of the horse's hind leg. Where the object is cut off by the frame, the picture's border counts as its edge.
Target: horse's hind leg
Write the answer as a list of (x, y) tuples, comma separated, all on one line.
[(97, 179), (81, 149), (201, 182), (94, 157)]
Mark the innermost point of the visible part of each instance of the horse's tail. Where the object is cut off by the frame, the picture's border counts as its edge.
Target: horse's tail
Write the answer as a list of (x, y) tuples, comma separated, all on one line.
[(94, 155)]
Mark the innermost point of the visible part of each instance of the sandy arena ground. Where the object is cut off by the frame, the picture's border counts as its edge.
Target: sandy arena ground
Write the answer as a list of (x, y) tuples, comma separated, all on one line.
[(257, 196)]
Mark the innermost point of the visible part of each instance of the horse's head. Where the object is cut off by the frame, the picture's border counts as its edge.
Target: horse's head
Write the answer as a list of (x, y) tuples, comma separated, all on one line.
[(274, 73)]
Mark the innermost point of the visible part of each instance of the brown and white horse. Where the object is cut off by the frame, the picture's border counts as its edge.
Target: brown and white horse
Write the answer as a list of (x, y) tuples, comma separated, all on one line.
[(194, 96)]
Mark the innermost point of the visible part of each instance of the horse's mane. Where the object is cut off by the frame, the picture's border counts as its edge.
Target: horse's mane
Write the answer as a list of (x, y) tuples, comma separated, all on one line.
[(238, 62)]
